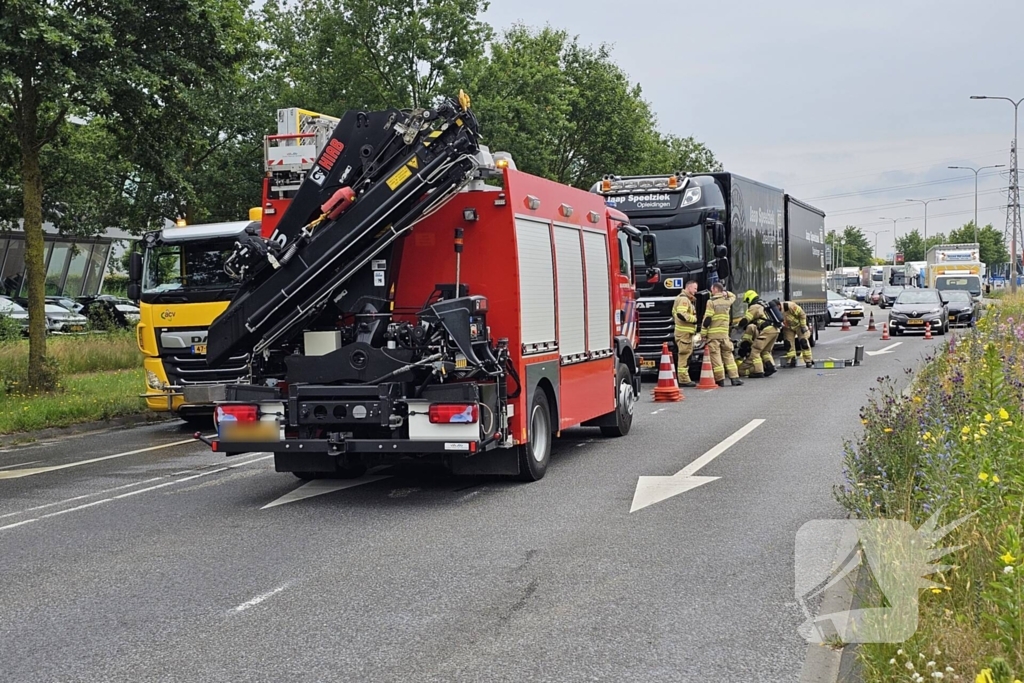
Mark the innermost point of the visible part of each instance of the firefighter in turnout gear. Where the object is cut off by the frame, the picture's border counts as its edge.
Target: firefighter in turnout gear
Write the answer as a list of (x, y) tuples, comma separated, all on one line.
[(685, 315), (716, 324), (796, 334), (759, 335)]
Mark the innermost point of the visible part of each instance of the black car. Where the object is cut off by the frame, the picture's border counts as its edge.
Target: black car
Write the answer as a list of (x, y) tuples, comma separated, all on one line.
[(914, 309), (962, 307), (888, 296)]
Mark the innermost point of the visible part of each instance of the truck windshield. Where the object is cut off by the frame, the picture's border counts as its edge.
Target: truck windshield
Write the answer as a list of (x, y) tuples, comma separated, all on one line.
[(187, 267), (677, 246), (969, 283)]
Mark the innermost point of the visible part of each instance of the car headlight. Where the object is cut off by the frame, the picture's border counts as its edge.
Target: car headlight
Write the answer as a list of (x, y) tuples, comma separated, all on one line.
[(691, 196)]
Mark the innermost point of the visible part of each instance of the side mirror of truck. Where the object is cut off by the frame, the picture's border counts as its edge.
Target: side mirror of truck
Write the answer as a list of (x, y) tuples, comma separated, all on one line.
[(650, 246), (723, 268), (717, 233), (135, 267), (134, 291), (721, 251)]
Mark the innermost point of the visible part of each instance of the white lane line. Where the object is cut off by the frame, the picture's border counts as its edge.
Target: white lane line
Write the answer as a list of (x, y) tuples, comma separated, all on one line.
[(259, 598), (131, 493), (81, 497), (20, 464), (17, 474), (655, 412)]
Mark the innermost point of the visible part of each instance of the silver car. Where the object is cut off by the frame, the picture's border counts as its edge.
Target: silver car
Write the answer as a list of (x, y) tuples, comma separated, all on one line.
[(62, 321), (14, 311)]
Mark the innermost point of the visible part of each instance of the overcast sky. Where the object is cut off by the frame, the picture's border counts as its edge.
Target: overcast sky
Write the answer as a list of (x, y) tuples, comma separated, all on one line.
[(825, 98)]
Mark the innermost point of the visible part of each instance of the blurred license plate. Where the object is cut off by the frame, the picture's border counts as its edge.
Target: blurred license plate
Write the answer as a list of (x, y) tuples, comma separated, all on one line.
[(915, 321), (952, 317), (647, 364), (856, 314), (77, 328), (199, 349), (250, 431)]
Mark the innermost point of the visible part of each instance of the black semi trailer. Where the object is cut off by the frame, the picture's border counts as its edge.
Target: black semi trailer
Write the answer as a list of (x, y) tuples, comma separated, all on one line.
[(713, 226)]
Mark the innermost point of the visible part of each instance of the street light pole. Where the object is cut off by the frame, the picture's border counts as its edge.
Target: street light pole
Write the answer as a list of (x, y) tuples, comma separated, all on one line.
[(976, 171), (894, 232), (1015, 220), (876, 233), (926, 202)]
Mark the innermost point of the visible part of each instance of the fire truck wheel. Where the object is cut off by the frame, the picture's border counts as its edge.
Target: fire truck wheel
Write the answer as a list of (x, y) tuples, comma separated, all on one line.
[(535, 455), (625, 399)]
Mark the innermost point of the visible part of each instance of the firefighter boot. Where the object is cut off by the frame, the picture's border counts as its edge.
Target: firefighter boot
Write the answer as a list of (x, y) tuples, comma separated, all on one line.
[(736, 382), (758, 375), (720, 382), (791, 363), (809, 364), (769, 369)]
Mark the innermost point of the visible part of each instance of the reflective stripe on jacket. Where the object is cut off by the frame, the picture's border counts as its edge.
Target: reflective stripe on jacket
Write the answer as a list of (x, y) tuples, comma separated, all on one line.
[(719, 311), (684, 314)]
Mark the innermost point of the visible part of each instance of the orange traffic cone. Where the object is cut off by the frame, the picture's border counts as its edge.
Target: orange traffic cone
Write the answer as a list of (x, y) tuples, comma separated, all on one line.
[(927, 330), (846, 324), (871, 323), (707, 375), (885, 332), (667, 388)]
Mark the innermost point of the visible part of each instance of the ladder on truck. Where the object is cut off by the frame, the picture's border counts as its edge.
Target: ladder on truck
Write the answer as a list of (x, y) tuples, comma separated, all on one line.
[(378, 174), (288, 156)]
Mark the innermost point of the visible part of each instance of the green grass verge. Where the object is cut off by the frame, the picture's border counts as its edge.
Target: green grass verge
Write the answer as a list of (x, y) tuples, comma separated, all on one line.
[(954, 446), (81, 398), (72, 354)]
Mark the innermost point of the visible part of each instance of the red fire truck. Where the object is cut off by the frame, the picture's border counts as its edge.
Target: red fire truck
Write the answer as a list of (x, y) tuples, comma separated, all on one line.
[(506, 315)]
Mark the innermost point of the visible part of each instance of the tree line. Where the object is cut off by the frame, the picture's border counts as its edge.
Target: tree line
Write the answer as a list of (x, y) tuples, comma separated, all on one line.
[(129, 114), (857, 250)]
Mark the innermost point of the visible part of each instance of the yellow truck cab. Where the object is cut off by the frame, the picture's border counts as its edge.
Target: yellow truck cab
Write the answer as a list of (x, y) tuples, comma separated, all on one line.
[(180, 284)]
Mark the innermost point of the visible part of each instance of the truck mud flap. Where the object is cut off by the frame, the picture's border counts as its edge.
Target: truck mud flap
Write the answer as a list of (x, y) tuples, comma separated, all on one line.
[(503, 461)]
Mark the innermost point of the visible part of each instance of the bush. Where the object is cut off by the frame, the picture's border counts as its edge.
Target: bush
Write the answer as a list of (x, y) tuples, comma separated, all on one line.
[(10, 329), (955, 445)]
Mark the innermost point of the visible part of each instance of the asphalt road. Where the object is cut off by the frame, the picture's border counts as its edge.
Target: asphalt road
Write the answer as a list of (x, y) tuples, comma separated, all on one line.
[(126, 564)]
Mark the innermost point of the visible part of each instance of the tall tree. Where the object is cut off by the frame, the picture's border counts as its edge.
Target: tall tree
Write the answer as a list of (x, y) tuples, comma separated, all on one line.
[(371, 54), (992, 245), (851, 246), (133, 63)]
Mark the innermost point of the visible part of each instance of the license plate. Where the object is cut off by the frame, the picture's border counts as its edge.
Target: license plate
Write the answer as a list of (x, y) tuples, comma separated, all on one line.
[(952, 317), (249, 431), (199, 349), (855, 314), (77, 328), (646, 364), (915, 321)]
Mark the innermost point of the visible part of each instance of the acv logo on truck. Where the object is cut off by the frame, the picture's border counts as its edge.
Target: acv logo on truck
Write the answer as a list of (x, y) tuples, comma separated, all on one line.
[(167, 314)]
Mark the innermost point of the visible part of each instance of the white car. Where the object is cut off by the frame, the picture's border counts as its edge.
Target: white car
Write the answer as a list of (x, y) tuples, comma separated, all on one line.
[(838, 306), (61, 320), (131, 312)]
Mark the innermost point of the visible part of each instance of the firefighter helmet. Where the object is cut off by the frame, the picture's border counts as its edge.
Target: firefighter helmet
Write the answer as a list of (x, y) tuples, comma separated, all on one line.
[(750, 297)]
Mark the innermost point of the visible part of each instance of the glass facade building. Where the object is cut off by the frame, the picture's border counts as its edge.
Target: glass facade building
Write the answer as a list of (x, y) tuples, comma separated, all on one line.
[(75, 266)]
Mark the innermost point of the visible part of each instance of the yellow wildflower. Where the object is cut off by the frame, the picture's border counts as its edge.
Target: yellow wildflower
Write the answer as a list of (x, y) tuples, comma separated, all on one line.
[(936, 590), (988, 417), (983, 476), (995, 479), (984, 677), (916, 399), (863, 422), (1008, 558), (926, 436), (887, 430), (965, 430), (1003, 415)]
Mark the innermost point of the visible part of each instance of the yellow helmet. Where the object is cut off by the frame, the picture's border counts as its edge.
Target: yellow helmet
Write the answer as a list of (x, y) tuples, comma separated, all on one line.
[(750, 297)]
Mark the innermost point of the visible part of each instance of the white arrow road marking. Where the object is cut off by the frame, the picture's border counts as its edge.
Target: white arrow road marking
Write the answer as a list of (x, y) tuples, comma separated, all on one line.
[(319, 487), (887, 349), (651, 490)]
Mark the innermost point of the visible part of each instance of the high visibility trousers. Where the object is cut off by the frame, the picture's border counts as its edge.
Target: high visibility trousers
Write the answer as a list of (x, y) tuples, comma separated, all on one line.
[(684, 349), (760, 351), (793, 340), (722, 362)]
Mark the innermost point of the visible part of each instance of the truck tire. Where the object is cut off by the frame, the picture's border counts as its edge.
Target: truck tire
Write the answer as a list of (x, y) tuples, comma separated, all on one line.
[(625, 399), (535, 455)]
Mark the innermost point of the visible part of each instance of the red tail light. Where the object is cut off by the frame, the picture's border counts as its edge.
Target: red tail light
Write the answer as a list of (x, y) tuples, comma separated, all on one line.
[(453, 413), (235, 413)]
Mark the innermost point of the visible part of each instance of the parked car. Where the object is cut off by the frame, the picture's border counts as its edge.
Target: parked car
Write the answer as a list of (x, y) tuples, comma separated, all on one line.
[(860, 293), (962, 307), (61, 320), (915, 308), (874, 296), (838, 306), (11, 309), (889, 295), (106, 311)]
